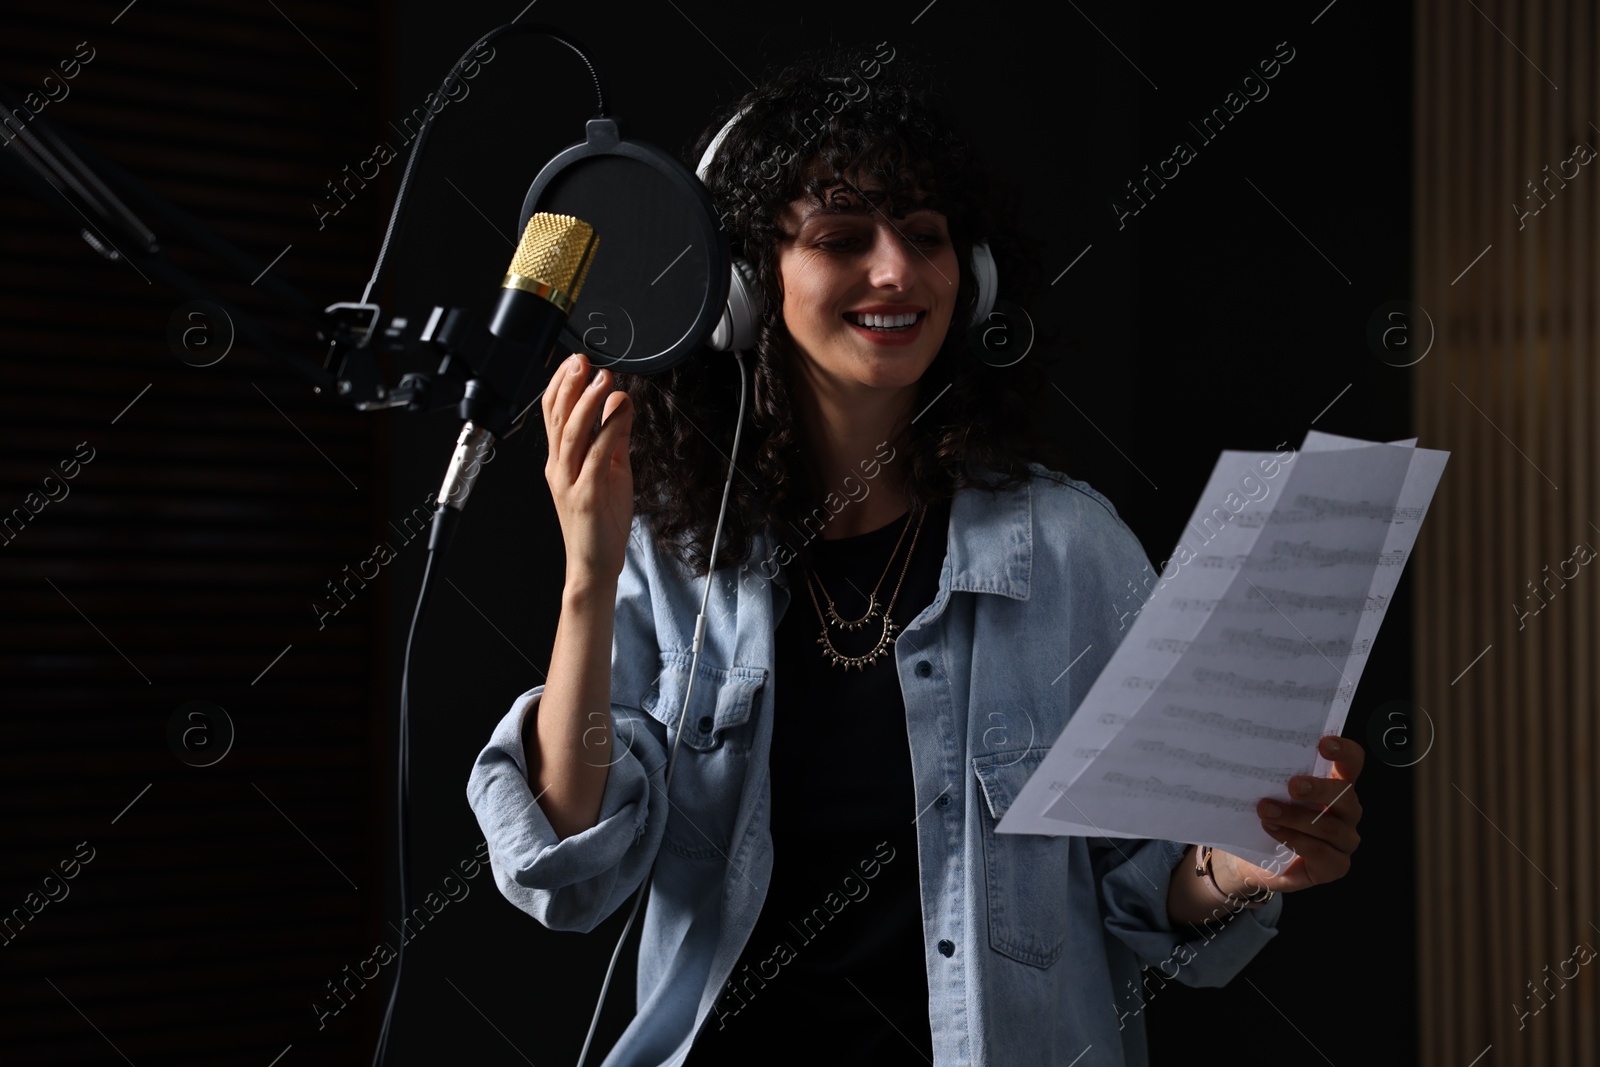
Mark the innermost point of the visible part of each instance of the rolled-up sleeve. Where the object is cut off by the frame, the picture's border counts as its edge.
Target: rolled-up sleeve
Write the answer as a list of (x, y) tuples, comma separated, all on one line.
[(575, 883), (1136, 875)]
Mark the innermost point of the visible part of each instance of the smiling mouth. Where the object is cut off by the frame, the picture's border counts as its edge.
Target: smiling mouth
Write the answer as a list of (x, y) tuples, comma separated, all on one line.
[(868, 322)]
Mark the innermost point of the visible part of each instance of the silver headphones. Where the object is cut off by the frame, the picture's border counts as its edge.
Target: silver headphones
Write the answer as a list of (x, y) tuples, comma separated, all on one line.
[(740, 320)]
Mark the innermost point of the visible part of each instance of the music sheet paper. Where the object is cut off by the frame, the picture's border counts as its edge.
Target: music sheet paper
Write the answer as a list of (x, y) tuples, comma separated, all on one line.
[(1247, 651)]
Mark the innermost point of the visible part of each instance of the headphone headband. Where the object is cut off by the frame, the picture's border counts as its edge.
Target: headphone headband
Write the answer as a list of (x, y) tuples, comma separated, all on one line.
[(716, 143)]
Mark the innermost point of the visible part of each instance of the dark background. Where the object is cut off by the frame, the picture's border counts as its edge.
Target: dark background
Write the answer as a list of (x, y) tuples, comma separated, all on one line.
[(1228, 314)]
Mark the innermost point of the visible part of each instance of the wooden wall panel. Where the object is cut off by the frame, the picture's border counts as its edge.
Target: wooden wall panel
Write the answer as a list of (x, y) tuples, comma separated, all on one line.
[(1506, 818)]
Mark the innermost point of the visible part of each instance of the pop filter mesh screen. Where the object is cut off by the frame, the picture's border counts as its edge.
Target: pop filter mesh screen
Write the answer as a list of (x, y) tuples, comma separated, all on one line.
[(651, 271)]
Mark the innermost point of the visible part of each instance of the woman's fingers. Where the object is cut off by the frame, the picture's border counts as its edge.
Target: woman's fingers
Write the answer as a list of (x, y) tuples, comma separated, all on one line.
[(1321, 824), (577, 437), (589, 423), (1319, 860), (614, 420), (557, 404), (571, 416), (1324, 810), (1319, 821), (1347, 756), (1327, 796)]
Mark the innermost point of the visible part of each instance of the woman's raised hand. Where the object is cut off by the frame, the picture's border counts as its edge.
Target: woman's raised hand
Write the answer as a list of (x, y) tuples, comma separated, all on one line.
[(590, 475)]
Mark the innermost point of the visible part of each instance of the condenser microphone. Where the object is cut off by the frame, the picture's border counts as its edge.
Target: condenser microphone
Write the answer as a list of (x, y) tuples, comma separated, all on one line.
[(538, 293), (544, 278)]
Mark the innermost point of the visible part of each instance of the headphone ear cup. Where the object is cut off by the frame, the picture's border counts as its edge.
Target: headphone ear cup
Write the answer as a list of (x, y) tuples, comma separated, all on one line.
[(987, 276), (742, 316)]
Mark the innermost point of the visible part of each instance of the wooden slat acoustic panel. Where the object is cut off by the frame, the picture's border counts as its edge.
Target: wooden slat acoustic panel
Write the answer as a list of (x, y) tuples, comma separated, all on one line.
[(1505, 238), (201, 512)]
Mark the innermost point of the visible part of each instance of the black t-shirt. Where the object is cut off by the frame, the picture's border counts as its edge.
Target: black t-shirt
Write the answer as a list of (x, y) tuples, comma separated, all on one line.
[(835, 966)]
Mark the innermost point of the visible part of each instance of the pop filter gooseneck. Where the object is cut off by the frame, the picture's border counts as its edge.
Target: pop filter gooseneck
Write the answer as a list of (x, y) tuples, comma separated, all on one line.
[(509, 29)]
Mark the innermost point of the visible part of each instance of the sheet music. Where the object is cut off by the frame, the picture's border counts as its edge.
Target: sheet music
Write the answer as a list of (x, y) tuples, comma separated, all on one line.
[(1247, 651)]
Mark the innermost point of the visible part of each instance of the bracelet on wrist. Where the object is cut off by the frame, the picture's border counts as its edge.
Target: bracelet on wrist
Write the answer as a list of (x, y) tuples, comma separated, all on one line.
[(1256, 898)]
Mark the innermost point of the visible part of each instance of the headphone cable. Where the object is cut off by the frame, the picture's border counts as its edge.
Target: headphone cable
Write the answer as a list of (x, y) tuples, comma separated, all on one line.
[(672, 756)]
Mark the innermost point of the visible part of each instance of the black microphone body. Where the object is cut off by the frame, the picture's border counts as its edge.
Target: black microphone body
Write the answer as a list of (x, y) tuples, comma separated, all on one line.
[(536, 297)]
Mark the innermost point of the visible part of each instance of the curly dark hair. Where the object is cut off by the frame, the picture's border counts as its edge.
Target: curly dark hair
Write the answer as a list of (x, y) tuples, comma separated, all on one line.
[(896, 141)]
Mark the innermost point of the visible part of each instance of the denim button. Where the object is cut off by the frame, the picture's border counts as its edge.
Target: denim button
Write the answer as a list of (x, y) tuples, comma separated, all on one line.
[(947, 948), (924, 668), (944, 800), (705, 724)]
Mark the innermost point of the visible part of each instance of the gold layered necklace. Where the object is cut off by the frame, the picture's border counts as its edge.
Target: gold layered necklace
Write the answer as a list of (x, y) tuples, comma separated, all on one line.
[(832, 618)]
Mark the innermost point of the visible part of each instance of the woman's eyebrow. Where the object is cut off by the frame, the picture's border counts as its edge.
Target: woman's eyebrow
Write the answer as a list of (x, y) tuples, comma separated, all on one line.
[(823, 210), (826, 210)]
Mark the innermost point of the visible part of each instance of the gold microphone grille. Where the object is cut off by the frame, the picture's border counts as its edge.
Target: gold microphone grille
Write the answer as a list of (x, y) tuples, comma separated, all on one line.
[(553, 258)]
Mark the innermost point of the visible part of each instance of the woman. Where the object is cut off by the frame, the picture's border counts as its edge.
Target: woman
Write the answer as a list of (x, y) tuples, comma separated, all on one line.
[(883, 655)]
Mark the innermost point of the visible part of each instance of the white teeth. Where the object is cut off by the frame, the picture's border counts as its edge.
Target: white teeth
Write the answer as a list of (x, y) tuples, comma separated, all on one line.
[(883, 321)]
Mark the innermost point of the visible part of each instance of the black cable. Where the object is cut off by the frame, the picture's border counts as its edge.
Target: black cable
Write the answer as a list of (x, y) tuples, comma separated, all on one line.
[(444, 524), (444, 518), (427, 124)]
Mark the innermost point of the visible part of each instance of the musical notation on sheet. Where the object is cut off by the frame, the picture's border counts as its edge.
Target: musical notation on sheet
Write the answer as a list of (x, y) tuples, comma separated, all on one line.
[(1258, 644), (1341, 605), (1228, 724), (1151, 786), (1162, 750), (1246, 653), (1306, 509)]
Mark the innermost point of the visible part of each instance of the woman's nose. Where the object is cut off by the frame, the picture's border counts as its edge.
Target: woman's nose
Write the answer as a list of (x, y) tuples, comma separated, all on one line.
[(894, 258)]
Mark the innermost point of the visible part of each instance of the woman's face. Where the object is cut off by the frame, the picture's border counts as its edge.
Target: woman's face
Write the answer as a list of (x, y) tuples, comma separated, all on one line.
[(843, 259)]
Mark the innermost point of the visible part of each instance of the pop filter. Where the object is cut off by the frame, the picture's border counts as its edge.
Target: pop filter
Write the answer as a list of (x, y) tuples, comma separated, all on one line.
[(658, 290)]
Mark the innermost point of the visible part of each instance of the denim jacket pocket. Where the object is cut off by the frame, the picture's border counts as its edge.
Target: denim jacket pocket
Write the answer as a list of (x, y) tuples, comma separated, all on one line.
[(1026, 874), (708, 776)]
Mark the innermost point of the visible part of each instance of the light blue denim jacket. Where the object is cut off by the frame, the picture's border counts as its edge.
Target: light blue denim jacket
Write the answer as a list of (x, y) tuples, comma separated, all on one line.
[(1033, 945)]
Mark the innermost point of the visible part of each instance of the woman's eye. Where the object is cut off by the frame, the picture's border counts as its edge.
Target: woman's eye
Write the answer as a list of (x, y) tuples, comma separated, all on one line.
[(928, 238)]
